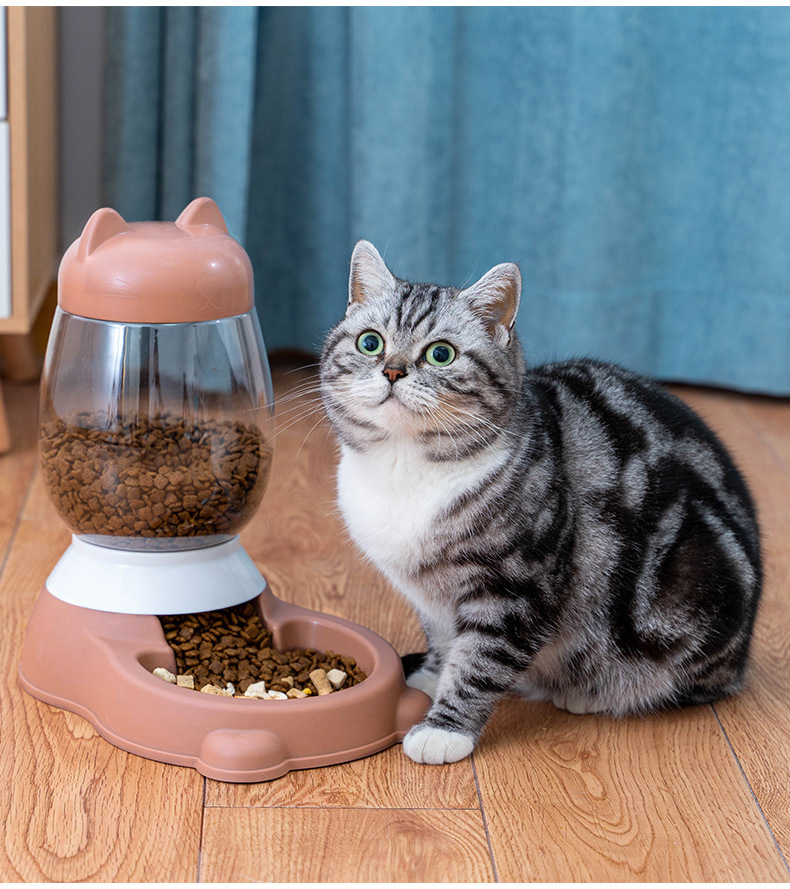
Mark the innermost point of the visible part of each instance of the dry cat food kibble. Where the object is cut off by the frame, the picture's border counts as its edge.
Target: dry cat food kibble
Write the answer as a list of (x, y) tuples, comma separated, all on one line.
[(154, 477), (230, 652)]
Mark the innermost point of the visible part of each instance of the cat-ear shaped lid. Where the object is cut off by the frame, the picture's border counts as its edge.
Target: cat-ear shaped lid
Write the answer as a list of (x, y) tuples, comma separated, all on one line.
[(156, 272)]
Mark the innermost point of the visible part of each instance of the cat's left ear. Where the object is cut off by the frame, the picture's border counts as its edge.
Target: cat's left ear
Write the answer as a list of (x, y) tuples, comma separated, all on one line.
[(369, 275), (495, 298)]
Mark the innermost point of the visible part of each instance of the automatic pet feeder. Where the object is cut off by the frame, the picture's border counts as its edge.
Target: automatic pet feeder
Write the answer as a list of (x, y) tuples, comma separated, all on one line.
[(154, 425)]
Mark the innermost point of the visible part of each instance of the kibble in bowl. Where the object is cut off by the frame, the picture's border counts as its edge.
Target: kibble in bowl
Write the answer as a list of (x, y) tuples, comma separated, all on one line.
[(230, 652)]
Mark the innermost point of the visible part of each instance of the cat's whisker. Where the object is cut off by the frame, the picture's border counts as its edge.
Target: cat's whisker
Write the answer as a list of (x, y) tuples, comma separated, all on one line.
[(483, 421), (299, 392), (296, 408), (436, 415), (287, 416), (310, 432), (301, 405), (295, 395), (280, 412), (286, 404), (315, 365), (476, 426), (301, 418)]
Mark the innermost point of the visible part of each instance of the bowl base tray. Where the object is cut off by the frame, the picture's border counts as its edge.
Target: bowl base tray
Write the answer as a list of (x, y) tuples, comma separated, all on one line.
[(99, 665)]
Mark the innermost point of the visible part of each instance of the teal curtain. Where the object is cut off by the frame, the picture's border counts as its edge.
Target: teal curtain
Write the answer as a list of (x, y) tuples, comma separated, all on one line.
[(634, 161)]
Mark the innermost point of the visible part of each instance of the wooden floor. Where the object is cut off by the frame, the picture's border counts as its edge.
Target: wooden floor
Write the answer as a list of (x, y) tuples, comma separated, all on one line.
[(700, 795)]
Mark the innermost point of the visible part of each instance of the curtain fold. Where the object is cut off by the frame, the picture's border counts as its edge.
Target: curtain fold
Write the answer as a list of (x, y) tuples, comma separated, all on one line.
[(632, 160)]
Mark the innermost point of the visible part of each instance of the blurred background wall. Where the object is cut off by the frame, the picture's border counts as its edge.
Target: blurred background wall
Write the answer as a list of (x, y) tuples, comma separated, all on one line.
[(633, 161)]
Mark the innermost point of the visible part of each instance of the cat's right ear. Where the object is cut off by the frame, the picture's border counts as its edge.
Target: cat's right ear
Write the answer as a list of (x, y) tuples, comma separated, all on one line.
[(369, 275), (495, 299)]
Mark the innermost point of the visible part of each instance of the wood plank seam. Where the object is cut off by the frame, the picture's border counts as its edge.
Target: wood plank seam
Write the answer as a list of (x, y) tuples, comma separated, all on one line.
[(357, 808), (17, 523), (751, 791), (203, 807), (763, 439), (781, 463), (485, 820)]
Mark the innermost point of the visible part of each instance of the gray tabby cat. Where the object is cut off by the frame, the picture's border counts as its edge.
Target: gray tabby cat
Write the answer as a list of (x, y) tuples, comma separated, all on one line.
[(571, 532)]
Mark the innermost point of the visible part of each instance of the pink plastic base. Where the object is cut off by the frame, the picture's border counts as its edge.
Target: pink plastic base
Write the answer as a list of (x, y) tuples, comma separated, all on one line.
[(98, 664)]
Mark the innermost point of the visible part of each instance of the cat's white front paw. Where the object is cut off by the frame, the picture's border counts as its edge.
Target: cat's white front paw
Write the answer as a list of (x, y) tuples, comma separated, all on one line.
[(436, 745), (573, 703), (425, 680)]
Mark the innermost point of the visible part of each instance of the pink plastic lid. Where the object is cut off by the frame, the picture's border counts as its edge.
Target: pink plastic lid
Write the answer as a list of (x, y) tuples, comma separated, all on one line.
[(156, 272)]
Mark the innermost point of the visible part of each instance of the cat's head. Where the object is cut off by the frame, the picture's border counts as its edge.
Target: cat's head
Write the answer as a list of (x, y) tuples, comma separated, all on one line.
[(435, 364)]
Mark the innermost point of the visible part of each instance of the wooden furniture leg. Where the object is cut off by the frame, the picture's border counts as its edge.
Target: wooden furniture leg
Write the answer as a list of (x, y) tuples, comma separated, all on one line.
[(5, 434), (21, 361)]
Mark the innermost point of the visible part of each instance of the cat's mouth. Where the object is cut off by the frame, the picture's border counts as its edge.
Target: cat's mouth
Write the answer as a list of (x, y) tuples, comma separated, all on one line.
[(391, 403), (393, 408), (388, 396)]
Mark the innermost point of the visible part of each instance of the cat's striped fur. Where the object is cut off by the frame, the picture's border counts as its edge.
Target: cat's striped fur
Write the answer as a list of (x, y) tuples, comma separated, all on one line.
[(571, 532)]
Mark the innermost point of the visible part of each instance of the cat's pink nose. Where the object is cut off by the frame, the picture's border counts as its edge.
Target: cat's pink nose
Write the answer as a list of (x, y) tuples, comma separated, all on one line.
[(394, 372)]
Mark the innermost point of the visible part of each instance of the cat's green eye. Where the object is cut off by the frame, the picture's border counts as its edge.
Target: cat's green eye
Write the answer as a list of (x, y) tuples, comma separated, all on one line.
[(440, 354), (370, 343)]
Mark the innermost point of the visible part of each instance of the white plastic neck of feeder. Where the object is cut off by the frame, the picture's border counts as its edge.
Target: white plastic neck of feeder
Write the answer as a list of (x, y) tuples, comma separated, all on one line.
[(126, 582)]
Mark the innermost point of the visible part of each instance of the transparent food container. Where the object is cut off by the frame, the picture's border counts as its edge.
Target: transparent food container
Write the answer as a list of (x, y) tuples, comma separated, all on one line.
[(155, 436)]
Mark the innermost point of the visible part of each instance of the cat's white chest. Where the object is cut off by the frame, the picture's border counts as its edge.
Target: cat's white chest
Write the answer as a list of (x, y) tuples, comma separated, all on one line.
[(392, 499)]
